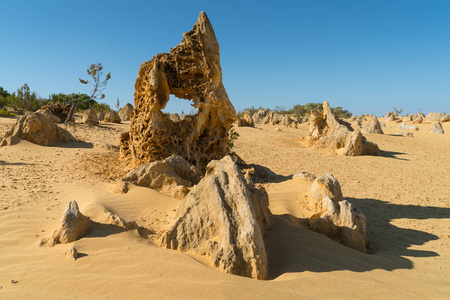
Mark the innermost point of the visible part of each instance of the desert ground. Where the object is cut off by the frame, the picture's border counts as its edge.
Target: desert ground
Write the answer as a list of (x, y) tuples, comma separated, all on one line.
[(404, 193)]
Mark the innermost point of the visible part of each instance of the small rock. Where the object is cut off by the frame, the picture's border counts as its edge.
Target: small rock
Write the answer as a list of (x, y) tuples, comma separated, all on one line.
[(71, 252), (407, 134), (304, 176), (408, 127)]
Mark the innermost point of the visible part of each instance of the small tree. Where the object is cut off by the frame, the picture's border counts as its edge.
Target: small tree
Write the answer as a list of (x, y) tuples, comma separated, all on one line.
[(98, 86), (118, 104)]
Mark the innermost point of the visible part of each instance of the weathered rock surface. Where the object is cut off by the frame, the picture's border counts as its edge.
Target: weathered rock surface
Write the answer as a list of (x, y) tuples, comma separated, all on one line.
[(259, 116), (445, 118), (172, 176), (373, 126), (436, 128), (112, 117), (404, 126), (37, 128), (175, 118), (190, 71), (125, 112), (90, 117), (224, 217), (246, 120), (432, 116), (273, 118), (335, 217), (304, 176), (74, 225), (71, 253), (329, 134)]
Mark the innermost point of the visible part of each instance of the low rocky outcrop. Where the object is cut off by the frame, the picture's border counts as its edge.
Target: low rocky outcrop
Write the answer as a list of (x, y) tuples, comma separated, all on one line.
[(112, 117), (90, 117), (190, 71), (404, 126), (37, 128), (329, 134), (224, 217), (125, 112), (436, 128), (246, 120), (373, 126), (335, 217), (172, 176), (74, 225)]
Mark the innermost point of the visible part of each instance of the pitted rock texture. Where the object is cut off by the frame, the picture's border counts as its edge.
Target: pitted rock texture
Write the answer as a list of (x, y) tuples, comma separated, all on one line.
[(74, 225), (37, 128), (172, 176), (224, 217), (335, 217), (125, 112), (329, 134), (190, 71)]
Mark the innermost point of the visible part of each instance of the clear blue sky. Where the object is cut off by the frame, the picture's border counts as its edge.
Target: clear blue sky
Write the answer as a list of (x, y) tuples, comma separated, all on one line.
[(366, 56)]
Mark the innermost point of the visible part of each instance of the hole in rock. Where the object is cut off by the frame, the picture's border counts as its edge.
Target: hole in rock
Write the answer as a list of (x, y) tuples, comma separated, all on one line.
[(180, 106)]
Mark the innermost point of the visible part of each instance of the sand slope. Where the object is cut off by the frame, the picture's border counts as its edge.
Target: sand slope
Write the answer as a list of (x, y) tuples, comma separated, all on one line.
[(404, 194)]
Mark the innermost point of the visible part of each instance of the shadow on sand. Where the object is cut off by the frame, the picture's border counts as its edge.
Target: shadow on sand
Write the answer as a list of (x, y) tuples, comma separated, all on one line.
[(5, 163), (392, 154), (291, 247)]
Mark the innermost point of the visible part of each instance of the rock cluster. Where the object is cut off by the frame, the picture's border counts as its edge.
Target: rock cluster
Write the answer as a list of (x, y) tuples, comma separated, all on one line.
[(74, 225), (190, 71), (172, 176), (224, 217), (329, 134), (335, 217), (37, 128), (125, 112)]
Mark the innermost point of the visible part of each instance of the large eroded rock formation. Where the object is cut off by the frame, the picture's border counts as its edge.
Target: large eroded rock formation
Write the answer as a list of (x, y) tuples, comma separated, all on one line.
[(189, 71), (37, 128), (329, 134), (224, 217)]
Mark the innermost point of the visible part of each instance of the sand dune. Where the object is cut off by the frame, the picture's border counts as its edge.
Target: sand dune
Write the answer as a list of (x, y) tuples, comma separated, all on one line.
[(404, 193)]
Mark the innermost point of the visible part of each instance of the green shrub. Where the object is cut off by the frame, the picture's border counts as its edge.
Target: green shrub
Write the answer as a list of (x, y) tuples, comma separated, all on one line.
[(7, 114)]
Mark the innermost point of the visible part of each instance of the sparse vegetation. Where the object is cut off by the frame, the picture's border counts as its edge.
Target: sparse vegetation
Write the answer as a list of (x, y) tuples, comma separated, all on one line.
[(232, 137), (6, 113), (299, 110)]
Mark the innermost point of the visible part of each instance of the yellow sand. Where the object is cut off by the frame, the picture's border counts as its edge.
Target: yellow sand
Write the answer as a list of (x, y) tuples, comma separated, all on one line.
[(405, 194)]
